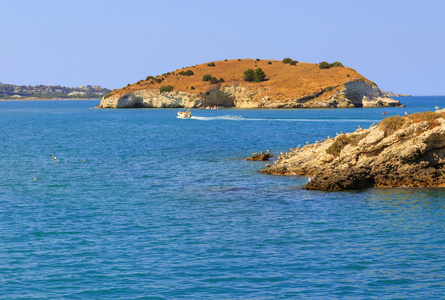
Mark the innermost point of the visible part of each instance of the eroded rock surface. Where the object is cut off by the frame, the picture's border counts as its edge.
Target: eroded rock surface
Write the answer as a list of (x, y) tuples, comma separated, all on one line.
[(404, 151), (355, 93)]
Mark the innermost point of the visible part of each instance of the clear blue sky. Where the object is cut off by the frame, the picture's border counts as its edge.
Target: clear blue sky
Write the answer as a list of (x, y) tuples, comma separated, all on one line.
[(399, 44)]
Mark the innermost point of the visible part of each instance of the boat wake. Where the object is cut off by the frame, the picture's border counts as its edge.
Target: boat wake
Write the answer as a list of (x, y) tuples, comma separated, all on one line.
[(240, 118), (233, 118)]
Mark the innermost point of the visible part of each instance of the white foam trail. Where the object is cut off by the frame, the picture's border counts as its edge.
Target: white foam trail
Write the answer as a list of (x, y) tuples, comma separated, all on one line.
[(240, 118), (233, 118)]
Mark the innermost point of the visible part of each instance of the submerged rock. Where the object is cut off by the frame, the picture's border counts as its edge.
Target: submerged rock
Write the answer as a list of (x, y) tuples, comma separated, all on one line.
[(406, 151)]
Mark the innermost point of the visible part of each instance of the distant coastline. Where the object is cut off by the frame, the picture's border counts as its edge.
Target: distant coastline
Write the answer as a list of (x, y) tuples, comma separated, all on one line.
[(392, 94), (50, 92)]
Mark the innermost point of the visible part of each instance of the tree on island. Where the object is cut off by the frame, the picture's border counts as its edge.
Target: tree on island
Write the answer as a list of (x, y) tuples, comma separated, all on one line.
[(287, 60), (324, 65), (257, 75), (249, 75)]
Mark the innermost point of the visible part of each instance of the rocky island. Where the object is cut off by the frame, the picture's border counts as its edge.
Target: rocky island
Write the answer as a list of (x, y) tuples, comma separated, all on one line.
[(406, 151), (249, 83)]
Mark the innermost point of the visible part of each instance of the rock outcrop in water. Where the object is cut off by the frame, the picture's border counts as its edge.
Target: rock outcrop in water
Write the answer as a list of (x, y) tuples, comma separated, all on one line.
[(287, 86), (260, 157), (404, 151)]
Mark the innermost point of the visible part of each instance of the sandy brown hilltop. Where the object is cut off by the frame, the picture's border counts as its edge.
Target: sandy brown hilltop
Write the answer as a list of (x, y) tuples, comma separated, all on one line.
[(285, 86), (288, 81)]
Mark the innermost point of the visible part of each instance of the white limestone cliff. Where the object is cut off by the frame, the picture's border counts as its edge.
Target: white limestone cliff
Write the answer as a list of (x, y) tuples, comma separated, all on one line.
[(351, 94)]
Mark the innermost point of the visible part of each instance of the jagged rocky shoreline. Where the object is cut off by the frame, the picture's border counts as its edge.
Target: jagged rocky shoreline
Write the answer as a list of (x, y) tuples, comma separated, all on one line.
[(406, 151)]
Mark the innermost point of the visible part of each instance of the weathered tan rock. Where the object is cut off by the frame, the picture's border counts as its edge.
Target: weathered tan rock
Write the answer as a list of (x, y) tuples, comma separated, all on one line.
[(411, 156), (260, 157), (351, 94)]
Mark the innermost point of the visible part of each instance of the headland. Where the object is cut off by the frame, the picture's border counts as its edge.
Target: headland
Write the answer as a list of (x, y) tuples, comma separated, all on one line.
[(400, 151)]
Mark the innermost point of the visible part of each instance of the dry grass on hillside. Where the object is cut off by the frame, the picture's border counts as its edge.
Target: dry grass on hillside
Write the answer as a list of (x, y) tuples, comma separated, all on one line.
[(391, 124), (284, 81)]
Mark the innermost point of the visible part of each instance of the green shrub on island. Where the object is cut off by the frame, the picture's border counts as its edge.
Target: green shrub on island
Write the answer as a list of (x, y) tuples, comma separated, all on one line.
[(150, 77), (337, 64), (287, 60), (269, 62), (293, 62), (213, 80), (342, 140), (392, 124), (192, 87), (207, 77), (211, 64), (257, 75), (329, 88), (186, 73), (431, 118), (249, 75), (326, 65), (257, 59), (166, 88)]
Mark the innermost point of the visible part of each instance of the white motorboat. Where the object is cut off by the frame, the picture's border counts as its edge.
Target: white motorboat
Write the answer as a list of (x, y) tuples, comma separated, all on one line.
[(184, 114)]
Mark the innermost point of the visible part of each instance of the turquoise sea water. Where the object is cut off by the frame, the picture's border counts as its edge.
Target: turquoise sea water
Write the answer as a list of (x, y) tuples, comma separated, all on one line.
[(168, 208)]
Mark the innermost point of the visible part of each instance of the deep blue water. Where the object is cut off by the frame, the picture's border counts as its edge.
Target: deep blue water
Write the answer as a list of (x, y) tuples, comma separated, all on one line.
[(168, 208)]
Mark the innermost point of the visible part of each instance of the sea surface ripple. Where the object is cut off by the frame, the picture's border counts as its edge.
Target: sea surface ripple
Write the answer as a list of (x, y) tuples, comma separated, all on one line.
[(143, 205)]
